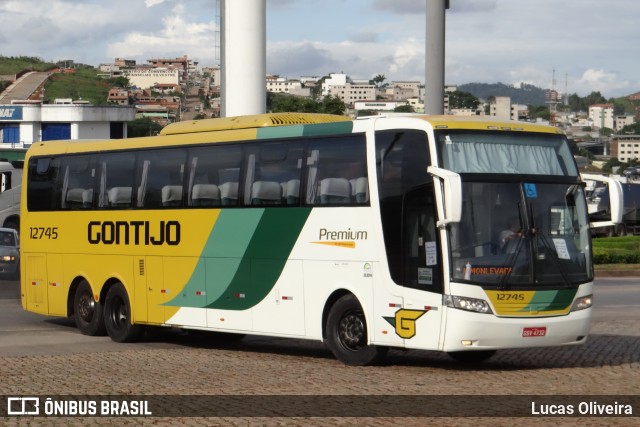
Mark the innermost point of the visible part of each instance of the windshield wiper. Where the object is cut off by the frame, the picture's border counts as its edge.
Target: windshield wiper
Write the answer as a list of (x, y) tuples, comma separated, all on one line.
[(512, 256)]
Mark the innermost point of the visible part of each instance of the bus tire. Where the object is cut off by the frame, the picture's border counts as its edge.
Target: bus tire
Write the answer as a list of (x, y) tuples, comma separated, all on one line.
[(87, 312), (117, 315), (346, 332), (471, 357)]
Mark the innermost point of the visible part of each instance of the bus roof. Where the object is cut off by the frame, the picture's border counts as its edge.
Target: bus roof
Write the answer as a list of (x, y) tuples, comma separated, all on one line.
[(250, 122), (486, 123), (274, 125)]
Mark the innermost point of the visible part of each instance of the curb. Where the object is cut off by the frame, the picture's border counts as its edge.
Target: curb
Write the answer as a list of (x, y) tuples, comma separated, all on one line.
[(616, 273)]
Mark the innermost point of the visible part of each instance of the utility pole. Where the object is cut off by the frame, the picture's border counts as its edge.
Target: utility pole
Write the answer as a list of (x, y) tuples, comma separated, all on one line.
[(434, 56)]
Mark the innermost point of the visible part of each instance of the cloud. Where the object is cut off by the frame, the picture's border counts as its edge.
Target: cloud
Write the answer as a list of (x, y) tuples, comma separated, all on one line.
[(602, 81), (151, 3), (364, 37), (400, 7), (305, 58), (176, 37)]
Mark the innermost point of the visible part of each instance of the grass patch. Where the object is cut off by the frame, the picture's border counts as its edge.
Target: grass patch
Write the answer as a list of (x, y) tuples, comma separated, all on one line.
[(15, 64), (616, 250), (83, 84)]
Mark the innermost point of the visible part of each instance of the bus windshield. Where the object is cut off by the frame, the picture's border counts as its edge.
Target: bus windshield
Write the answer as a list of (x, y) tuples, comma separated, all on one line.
[(506, 153), (522, 234)]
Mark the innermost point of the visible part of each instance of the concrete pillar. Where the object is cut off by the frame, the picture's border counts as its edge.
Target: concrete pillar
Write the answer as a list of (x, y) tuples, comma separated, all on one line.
[(243, 52), (434, 54)]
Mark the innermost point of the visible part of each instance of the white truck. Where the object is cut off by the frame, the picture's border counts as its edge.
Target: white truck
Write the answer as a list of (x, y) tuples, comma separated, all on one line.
[(10, 188)]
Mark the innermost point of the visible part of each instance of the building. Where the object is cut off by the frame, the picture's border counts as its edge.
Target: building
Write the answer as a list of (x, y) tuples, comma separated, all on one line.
[(350, 93), (145, 78), (120, 96), (182, 65), (624, 120), (276, 84), (333, 80), (625, 147), (24, 123), (500, 108), (602, 116), (405, 89), (379, 106)]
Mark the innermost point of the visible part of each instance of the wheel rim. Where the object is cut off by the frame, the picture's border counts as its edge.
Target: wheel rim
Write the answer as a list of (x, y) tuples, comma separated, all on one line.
[(86, 307), (119, 315), (352, 333)]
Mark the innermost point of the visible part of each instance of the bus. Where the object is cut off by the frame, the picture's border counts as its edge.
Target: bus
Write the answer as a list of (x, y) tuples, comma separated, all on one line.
[(363, 234), (10, 191)]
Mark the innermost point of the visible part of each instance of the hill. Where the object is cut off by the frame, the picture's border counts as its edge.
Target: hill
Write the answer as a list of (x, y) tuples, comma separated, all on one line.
[(82, 83), (524, 94), (16, 64)]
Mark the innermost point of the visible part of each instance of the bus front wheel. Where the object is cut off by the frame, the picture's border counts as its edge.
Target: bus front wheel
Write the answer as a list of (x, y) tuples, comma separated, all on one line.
[(117, 315), (87, 312), (346, 332)]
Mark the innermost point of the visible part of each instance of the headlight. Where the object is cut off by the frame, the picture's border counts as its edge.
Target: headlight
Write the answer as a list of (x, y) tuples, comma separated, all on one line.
[(582, 303), (8, 258), (465, 303)]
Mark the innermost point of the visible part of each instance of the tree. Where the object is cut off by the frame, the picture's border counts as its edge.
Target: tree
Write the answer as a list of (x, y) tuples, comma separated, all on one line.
[(461, 99), (633, 129), (404, 109), (122, 82), (142, 127), (539, 112), (280, 102), (332, 105), (378, 80)]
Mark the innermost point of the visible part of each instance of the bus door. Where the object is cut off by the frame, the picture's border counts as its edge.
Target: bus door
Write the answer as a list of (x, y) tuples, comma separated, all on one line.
[(421, 314)]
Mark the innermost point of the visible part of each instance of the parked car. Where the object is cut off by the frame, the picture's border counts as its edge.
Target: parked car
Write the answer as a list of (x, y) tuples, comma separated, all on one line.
[(9, 253), (633, 171)]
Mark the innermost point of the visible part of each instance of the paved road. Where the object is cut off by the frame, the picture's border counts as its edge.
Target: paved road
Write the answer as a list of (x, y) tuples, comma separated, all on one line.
[(23, 87), (53, 358)]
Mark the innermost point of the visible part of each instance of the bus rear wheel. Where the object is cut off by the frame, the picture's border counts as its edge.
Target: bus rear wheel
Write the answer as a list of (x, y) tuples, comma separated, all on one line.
[(117, 315), (346, 332), (87, 312)]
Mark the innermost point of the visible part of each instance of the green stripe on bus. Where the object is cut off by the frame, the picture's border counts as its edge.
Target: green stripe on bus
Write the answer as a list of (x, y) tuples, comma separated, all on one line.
[(305, 130), (264, 259), (328, 128), (552, 300), (243, 257), (225, 248), (279, 132)]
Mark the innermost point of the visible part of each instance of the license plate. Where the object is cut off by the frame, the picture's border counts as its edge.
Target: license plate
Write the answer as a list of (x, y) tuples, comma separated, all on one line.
[(534, 332)]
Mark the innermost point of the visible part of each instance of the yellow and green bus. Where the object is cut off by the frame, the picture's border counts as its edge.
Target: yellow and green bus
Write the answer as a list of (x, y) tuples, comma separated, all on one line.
[(367, 234)]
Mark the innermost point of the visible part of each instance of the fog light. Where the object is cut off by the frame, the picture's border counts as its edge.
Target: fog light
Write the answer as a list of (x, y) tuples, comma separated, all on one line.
[(467, 343)]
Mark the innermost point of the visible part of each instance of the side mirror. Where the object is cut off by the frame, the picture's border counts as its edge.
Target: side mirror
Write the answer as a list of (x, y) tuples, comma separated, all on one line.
[(452, 188), (616, 199)]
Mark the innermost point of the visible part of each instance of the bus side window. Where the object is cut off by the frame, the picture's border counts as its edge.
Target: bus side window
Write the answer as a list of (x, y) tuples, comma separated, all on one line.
[(160, 178), (213, 175), (45, 183), (115, 182), (79, 177), (337, 171), (273, 174)]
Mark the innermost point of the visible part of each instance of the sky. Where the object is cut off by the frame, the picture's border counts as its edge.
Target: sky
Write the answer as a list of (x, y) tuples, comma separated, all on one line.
[(591, 44)]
